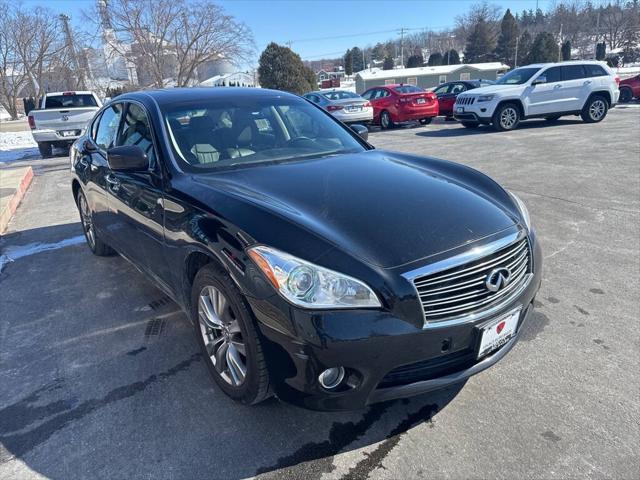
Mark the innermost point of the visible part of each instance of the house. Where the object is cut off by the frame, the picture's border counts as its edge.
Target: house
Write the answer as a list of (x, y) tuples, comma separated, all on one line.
[(428, 77), (329, 75)]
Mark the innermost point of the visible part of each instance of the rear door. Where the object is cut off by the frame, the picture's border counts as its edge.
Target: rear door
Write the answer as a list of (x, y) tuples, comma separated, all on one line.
[(446, 98), (575, 87), (136, 205)]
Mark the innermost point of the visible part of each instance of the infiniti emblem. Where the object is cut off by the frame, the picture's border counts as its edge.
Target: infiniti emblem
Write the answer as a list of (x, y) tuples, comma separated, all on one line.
[(497, 279)]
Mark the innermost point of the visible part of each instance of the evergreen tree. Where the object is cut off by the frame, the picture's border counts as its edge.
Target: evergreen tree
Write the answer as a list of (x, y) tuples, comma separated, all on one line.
[(415, 60), (435, 59), (282, 69), (601, 51), (544, 49), (388, 63), (357, 60), (480, 44), (506, 48), (566, 50), (524, 47), (379, 51), (348, 63), (453, 57)]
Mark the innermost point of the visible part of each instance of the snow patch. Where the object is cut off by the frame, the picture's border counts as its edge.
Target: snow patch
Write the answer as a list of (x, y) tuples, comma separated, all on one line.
[(16, 145), (15, 252)]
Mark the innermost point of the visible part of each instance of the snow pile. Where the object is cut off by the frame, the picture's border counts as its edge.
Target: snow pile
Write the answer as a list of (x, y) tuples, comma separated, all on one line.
[(16, 145)]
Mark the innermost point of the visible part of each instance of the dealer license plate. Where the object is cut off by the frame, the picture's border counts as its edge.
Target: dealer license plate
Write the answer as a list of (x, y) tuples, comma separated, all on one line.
[(498, 332), (460, 110)]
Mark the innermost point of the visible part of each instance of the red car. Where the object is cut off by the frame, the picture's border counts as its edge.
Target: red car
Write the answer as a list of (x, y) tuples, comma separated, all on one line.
[(401, 103), (629, 89), (448, 92)]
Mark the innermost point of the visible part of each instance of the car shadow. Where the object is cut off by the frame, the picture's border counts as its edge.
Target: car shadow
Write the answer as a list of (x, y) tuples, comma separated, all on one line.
[(102, 375), (462, 131)]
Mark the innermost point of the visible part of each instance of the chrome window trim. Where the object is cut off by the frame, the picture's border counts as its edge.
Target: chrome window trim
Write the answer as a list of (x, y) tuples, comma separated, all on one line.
[(470, 255)]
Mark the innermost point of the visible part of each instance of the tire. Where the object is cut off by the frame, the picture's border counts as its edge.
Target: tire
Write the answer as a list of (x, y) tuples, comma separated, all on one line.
[(46, 149), (385, 120), (470, 124), (506, 117), (595, 109), (426, 121), (552, 118), (228, 337), (95, 244), (626, 95)]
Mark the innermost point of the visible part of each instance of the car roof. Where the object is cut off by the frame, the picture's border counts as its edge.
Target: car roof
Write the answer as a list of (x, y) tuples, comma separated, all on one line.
[(168, 96), (568, 62)]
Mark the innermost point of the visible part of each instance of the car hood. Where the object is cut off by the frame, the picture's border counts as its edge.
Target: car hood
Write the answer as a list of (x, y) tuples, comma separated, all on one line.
[(495, 89), (385, 208)]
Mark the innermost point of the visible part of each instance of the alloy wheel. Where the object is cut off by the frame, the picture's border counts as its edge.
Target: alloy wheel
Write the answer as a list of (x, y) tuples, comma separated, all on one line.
[(508, 118), (87, 221), (384, 120), (222, 336), (597, 109)]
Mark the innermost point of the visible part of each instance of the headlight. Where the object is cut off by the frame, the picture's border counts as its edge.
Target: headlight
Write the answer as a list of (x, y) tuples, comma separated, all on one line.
[(485, 98), (310, 286), (524, 213)]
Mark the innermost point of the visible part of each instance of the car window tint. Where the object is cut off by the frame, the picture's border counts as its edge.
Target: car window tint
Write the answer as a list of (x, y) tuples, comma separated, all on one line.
[(108, 126), (136, 130), (594, 70), (94, 127), (70, 100), (572, 72), (339, 95), (442, 89), (553, 74), (367, 94), (408, 89), (458, 88)]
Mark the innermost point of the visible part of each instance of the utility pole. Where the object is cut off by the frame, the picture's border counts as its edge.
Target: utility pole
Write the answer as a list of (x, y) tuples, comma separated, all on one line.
[(560, 45), (74, 56), (402, 46), (515, 58)]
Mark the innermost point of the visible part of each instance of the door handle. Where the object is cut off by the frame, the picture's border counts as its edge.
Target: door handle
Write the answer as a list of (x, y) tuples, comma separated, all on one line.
[(588, 82), (557, 86), (113, 181)]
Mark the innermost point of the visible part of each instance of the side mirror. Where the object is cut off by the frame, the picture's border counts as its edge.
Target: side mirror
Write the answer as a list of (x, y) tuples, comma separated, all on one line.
[(539, 80), (88, 147), (361, 130), (127, 158)]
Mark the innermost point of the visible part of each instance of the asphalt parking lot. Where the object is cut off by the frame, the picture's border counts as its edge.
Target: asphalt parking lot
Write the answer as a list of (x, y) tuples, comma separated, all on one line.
[(101, 377)]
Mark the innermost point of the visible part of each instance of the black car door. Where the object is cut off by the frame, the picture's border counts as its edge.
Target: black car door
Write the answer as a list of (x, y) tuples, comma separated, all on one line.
[(92, 165), (135, 198)]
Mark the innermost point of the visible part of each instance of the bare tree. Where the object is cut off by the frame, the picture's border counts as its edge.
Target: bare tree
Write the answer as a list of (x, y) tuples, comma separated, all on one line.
[(172, 38), (38, 40), (12, 74), (615, 22)]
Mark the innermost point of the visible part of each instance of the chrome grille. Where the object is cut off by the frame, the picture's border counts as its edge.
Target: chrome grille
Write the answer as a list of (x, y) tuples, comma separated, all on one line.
[(461, 290), (465, 100)]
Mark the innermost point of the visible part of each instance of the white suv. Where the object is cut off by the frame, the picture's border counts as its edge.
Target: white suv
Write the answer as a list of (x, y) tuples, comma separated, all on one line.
[(548, 90)]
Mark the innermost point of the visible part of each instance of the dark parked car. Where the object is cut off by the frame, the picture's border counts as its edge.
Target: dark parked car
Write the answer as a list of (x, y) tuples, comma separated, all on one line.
[(448, 92), (311, 265)]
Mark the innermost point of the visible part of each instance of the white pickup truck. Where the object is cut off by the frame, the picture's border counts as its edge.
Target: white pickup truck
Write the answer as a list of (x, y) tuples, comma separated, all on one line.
[(61, 119)]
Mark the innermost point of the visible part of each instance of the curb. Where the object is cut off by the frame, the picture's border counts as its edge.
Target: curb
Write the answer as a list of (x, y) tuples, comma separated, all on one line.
[(12, 205)]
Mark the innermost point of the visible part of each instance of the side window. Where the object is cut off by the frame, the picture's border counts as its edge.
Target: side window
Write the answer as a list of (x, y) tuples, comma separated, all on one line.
[(458, 88), (367, 95), (108, 126), (594, 70), (382, 93), (442, 90), (137, 131), (553, 74), (94, 127), (572, 72)]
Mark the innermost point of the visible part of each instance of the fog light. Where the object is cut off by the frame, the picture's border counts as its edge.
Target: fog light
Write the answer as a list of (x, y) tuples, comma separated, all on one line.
[(331, 377)]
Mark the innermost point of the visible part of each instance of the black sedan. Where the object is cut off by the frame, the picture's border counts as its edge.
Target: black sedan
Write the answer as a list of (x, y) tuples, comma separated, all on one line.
[(312, 266)]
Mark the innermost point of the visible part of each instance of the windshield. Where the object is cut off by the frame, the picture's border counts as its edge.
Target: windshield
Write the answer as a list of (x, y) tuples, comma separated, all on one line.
[(211, 135), (518, 76), (341, 95), (70, 100)]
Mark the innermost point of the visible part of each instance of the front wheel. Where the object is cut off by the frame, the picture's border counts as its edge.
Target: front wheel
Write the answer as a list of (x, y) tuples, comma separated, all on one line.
[(507, 117), (385, 120), (96, 245), (228, 337), (626, 95), (595, 109), (426, 121)]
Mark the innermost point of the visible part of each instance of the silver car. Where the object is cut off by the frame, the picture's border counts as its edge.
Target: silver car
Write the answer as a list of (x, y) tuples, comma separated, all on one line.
[(345, 106)]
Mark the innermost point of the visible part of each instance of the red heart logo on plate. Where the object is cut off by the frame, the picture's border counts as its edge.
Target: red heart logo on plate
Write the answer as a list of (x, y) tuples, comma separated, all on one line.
[(500, 326)]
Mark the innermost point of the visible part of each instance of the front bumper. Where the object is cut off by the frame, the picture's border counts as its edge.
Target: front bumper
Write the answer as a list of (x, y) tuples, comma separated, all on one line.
[(385, 356)]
